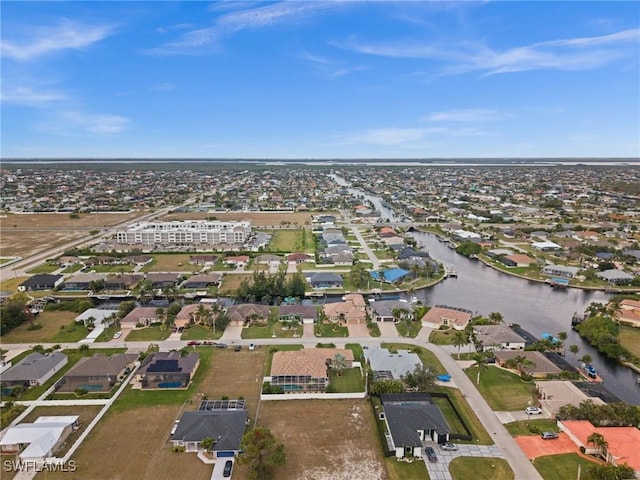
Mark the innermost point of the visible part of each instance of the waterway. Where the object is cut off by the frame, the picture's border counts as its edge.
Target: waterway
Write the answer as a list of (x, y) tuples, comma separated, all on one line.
[(534, 306)]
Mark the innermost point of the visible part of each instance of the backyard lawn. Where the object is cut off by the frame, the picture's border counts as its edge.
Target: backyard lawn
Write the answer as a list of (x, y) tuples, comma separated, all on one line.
[(553, 467), (464, 468), (503, 391), (478, 432), (352, 380), (531, 427), (57, 327), (630, 339), (409, 330)]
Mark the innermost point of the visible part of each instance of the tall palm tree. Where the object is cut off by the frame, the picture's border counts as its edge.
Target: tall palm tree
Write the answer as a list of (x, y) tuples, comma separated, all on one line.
[(598, 441), (459, 340), (496, 317), (562, 336), (574, 349), (481, 363)]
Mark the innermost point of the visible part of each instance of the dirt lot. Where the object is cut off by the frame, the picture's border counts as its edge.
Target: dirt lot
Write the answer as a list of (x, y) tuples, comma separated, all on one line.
[(534, 446), (324, 439), (258, 219), (23, 235), (133, 444)]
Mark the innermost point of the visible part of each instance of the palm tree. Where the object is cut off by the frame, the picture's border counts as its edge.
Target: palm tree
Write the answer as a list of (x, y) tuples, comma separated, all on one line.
[(459, 340), (496, 317), (481, 363), (562, 336), (598, 441), (160, 315), (574, 349), (586, 358)]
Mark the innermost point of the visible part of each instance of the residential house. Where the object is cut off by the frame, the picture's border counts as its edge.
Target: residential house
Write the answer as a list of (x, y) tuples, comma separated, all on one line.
[(226, 427), (83, 281), (164, 370), (122, 282), (306, 370), (202, 281), (299, 257), (540, 367), (546, 246), (41, 282), (141, 316), (68, 260), (615, 276), (325, 280), (408, 253), (383, 310), (622, 442), (204, 260), (268, 259), (237, 261), (188, 315), (353, 310), (629, 312), (412, 419), (391, 365), (554, 394), (302, 313), (561, 271), (391, 275), (162, 280), (34, 369), (440, 315), (518, 260), (498, 337), (97, 317), (139, 260), (98, 373), (38, 441), (244, 314)]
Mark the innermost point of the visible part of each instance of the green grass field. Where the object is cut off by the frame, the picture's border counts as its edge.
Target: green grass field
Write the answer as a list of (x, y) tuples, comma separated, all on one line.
[(200, 332), (465, 468), (57, 327), (412, 331), (554, 467), (531, 427), (330, 330), (442, 337), (502, 390), (351, 381), (287, 240), (44, 268), (148, 334), (630, 339)]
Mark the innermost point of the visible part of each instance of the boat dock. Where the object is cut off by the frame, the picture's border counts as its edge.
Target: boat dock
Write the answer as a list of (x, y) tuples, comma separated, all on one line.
[(450, 271)]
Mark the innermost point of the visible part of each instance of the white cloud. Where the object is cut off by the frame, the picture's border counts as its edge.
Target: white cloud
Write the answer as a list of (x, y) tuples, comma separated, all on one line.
[(580, 53), (252, 15), (42, 41), (26, 96), (76, 122), (466, 115)]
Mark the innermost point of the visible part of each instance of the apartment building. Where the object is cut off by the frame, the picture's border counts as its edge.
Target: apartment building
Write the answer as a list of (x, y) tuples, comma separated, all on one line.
[(189, 232)]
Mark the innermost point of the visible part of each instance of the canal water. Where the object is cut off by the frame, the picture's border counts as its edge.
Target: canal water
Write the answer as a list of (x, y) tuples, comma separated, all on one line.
[(537, 307)]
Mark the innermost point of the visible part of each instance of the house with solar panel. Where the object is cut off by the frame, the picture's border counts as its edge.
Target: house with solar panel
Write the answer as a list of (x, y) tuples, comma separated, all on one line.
[(166, 370)]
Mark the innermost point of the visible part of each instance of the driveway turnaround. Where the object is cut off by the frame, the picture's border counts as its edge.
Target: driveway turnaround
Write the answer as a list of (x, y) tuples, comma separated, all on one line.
[(440, 470)]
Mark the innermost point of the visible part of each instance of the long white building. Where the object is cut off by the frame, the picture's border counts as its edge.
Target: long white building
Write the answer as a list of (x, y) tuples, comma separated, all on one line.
[(189, 232)]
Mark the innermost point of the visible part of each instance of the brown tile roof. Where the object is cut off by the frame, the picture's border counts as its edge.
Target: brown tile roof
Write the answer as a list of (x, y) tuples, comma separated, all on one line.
[(138, 313), (438, 314), (308, 361), (101, 365), (239, 313)]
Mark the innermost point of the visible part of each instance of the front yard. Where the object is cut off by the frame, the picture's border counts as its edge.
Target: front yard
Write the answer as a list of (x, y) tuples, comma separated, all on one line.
[(503, 390)]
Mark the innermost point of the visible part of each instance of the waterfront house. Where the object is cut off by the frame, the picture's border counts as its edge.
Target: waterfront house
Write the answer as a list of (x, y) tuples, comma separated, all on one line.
[(83, 281), (325, 280), (141, 316), (353, 310), (561, 271), (301, 313), (541, 366), (518, 260), (383, 310), (41, 282), (554, 394), (245, 314), (439, 316), (498, 337), (629, 312), (615, 276), (202, 281), (162, 280)]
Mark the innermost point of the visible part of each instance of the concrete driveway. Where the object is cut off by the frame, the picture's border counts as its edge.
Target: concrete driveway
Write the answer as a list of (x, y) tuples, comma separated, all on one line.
[(218, 469), (440, 470)]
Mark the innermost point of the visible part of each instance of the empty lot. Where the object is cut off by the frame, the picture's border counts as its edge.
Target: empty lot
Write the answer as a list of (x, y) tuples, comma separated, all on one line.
[(324, 439)]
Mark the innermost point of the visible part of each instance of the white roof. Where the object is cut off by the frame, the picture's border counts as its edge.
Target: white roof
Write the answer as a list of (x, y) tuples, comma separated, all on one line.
[(41, 435)]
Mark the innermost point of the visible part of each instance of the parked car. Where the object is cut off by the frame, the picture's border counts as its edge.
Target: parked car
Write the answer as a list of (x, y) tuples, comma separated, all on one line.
[(431, 454), (175, 427), (221, 345), (237, 348), (228, 467), (448, 446), (193, 343), (252, 346), (549, 435), (117, 335), (533, 411)]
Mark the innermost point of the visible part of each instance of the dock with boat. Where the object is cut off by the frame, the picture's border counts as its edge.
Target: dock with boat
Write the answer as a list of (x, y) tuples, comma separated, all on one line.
[(558, 283), (450, 271), (589, 372)]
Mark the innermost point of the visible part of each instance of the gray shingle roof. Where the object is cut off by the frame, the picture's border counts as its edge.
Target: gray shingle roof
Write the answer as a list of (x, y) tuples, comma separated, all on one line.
[(406, 415), (226, 427), (34, 366)]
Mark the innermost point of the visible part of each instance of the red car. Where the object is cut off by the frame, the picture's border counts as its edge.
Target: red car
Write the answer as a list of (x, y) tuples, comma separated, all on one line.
[(193, 343)]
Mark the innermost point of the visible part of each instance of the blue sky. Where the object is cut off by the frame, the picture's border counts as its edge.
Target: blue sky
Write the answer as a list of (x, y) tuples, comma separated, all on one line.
[(305, 79)]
